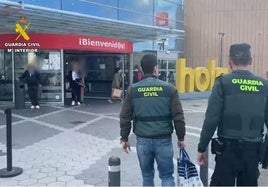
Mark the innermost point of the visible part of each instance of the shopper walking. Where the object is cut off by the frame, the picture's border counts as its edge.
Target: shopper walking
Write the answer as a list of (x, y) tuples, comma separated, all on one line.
[(32, 78), (116, 84), (154, 107), (171, 78), (238, 109)]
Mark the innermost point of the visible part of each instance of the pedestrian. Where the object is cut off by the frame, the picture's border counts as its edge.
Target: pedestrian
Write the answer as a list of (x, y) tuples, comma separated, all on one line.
[(32, 78), (238, 109), (163, 76), (153, 105), (116, 84), (171, 78), (82, 75), (75, 82), (138, 74)]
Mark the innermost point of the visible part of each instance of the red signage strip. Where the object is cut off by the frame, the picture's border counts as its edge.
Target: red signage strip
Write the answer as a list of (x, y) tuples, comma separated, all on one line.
[(65, 41)]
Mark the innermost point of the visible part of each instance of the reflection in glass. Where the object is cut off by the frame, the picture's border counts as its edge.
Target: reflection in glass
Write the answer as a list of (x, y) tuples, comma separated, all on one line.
[(106, 9), (167, 70), (170, 8), (6, 89), (56, 4), (98, 70), (136, 11), (49, 65)]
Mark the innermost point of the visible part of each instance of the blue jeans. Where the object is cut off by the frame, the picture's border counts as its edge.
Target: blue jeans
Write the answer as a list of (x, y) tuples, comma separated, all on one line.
[(160, 150)]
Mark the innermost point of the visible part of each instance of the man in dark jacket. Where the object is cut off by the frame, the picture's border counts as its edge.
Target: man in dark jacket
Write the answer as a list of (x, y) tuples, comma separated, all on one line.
[(154, 107), (238, 109), (33, 80)]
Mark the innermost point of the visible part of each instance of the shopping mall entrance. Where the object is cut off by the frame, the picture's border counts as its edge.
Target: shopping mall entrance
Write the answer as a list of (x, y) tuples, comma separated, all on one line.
[(97, 70), (53, 55), (48, 62)]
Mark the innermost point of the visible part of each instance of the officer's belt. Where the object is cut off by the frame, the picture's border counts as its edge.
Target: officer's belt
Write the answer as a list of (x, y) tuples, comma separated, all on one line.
[(153, 118), (228, 142)]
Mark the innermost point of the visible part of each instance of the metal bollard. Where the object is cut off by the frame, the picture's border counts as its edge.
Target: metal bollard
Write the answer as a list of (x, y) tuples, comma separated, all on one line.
[(204, 171), (114, 171), (10, 171), (19, 95)]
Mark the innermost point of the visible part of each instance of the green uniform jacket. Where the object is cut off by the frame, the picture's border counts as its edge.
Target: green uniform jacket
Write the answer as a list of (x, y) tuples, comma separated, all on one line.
[(152, 123), (237, 108)]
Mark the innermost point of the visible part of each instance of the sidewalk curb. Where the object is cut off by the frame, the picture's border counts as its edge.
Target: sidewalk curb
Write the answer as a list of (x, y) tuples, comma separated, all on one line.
[(194, 95)]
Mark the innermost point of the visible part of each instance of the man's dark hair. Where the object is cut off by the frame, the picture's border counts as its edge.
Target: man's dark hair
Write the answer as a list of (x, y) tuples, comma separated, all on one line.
[(240, 54), (148, 63)]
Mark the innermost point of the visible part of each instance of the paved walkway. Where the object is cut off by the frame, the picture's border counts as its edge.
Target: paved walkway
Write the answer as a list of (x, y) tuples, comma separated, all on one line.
[(70, 146)]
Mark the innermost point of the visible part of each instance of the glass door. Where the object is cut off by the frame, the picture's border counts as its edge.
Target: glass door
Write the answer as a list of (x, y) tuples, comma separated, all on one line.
[(171, 71), (6, 76), (98, 70), (167, 70), (49, 65)]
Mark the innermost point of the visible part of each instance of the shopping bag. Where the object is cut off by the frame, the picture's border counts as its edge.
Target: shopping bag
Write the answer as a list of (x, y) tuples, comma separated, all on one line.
[(117, 94), (187, 172)]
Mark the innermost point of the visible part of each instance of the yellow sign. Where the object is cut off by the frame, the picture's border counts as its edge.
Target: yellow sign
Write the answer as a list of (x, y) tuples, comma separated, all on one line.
[(21, 27), (198, 79)]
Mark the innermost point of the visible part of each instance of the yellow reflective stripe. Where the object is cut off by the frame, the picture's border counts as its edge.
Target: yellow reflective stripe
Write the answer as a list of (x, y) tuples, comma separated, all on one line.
[(248, 82), (248, 85), (151, 89)]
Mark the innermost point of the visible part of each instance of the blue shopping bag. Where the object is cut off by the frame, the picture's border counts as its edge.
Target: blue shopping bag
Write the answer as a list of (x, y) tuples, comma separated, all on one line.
[(187, 172)]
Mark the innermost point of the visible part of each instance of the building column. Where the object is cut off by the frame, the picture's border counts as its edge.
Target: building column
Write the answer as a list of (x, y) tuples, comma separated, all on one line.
[(63, 94), (131, 64)]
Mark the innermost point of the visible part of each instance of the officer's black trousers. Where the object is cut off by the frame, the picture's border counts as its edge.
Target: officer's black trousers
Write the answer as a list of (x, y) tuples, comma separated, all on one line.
[(237, 165)]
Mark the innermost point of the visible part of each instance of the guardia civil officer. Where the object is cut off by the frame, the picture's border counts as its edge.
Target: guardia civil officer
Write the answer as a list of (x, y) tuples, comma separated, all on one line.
[(154, 107), (238, 109)]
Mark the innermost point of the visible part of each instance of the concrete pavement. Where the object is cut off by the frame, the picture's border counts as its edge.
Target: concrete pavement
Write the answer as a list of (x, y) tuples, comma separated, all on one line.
[(70, 146)]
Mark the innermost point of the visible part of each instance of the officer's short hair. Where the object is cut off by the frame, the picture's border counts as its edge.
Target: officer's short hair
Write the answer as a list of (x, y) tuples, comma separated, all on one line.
[(240, 54), (148, 63)]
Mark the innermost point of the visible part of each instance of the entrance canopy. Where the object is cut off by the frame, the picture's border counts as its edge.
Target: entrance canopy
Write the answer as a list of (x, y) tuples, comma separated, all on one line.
[(47, 20), (36, 41)]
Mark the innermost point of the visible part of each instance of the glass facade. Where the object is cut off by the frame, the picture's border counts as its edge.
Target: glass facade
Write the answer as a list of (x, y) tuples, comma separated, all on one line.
[(158, 13), (143, 12), (49, 65), (100, 8), (135, 11), (98, 71), (140, 12), (6, 76)]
